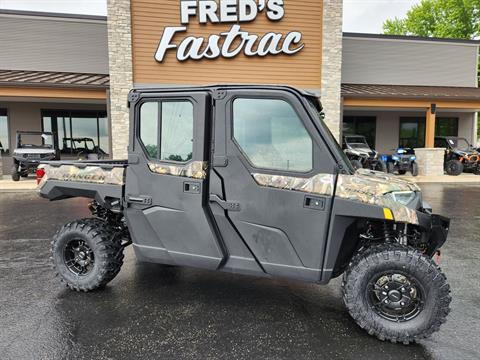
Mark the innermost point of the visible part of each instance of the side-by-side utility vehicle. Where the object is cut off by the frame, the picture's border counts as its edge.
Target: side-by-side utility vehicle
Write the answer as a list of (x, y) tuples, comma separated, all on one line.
[(460, 156), (31, 148), (249, 180), (361, 155)]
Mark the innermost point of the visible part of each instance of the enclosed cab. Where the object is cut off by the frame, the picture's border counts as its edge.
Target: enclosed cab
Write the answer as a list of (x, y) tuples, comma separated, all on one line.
[(249, 180)]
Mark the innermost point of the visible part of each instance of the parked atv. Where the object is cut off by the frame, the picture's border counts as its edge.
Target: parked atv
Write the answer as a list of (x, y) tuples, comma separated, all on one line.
[(402, 161), (460, 156), (31, 148), (361, 155)]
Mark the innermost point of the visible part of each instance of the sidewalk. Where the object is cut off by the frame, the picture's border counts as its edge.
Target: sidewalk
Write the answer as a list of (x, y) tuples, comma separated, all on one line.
[(8, 185), (30, 184)]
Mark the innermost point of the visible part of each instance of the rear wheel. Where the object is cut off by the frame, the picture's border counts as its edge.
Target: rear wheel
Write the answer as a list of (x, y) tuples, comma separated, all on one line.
[(454, 167), (396, 293), (87, 254)]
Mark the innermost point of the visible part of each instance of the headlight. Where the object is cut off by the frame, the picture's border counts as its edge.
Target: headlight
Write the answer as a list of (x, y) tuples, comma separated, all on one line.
[(396, 158), (402, 197), (413, 158)]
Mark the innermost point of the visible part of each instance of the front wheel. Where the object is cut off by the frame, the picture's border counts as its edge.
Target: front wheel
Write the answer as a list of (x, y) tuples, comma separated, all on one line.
[(87, 254), (15, 173), (357, 164), (454, 167), (396, 293), (414, 169), (381, 166)]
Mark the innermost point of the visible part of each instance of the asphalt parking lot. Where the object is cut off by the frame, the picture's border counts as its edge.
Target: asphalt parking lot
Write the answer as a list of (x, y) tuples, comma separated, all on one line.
[(150, 311)]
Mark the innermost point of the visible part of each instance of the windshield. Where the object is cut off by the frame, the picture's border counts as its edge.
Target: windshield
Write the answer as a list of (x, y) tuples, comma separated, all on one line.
[(358, 146), (317, 110), (356, 141), (38, 141), (459, 143)]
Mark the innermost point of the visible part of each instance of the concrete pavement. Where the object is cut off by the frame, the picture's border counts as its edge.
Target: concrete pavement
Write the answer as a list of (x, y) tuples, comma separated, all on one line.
[(153, 312)]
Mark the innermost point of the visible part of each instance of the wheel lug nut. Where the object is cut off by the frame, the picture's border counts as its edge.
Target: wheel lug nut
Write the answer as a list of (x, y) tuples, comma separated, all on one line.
[(384, 293), (402, 303), (386, 301)]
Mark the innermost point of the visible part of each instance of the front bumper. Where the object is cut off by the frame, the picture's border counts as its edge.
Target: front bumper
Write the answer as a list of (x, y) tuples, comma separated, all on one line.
[(435, 228)]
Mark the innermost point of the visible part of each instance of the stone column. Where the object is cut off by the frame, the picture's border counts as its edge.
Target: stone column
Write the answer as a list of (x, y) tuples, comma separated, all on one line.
[(332, 65), (430, 161), (121, 74)]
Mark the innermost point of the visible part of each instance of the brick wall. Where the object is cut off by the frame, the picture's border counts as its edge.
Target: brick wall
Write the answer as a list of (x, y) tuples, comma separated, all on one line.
[(121, 77)]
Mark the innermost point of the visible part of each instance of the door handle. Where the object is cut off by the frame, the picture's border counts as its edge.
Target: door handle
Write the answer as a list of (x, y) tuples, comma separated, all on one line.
[(315, 203), (225, 205), (142, 200)]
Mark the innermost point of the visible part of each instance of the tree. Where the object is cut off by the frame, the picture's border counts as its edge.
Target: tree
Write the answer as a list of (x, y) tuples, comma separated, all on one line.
[(458, 19)]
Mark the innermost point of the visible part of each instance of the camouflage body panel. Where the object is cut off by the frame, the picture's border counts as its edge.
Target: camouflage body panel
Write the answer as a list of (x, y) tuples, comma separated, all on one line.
[(88, 174), (364, 186), (370, 187), (194, 169), (321, 184)]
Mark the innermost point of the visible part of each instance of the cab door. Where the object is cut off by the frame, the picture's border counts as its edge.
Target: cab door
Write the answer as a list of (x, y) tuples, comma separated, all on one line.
[(166, 190), (277, 180)]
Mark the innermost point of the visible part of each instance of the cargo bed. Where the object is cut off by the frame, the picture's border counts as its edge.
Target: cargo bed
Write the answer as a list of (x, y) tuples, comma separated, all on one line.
[(100, 180)]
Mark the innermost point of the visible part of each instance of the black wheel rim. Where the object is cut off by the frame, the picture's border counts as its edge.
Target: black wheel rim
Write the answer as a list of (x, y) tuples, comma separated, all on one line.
[(395, 296), (79, 257)]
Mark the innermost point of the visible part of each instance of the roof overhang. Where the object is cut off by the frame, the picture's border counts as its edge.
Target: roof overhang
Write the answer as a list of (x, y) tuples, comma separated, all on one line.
[(53, 85), (413, 97)]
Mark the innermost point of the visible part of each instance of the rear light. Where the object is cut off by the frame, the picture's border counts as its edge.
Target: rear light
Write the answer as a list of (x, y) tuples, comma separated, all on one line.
[(40, 173)]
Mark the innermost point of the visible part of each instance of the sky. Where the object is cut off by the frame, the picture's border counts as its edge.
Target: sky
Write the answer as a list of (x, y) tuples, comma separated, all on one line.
[(358, 15)]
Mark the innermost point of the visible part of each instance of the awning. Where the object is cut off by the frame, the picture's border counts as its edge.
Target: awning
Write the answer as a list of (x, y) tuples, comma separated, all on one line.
[(53, 79), (406, 92)]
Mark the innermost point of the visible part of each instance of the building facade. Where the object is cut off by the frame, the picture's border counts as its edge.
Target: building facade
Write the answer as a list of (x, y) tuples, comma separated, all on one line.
[(53, 77), (71, 74), (391, 84)]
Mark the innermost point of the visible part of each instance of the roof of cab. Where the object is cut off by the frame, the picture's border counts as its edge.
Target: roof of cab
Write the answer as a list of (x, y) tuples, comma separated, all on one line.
[(213, 87)]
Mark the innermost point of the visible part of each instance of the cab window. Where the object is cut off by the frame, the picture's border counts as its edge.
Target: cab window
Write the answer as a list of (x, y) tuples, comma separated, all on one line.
[(271, 135), (166, 130)]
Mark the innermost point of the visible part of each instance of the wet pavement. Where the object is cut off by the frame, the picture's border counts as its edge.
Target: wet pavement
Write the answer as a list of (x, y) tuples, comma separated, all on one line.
[(150, 311)]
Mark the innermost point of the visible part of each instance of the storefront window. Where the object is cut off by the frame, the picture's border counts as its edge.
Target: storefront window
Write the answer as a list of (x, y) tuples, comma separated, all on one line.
[(446, 126), (4, 143), (78, 131), (412, 132), (361, 125)]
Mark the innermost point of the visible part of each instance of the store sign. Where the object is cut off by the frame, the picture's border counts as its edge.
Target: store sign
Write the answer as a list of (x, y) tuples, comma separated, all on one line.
[(233, 42)]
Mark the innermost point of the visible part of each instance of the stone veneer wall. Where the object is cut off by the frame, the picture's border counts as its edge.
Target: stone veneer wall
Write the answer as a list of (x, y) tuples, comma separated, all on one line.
[(121, 74), (332, 65), (430, 161)]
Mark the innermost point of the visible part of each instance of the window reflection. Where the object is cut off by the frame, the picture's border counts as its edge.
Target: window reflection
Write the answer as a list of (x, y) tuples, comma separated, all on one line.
[(78, 132), (272, 135)]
